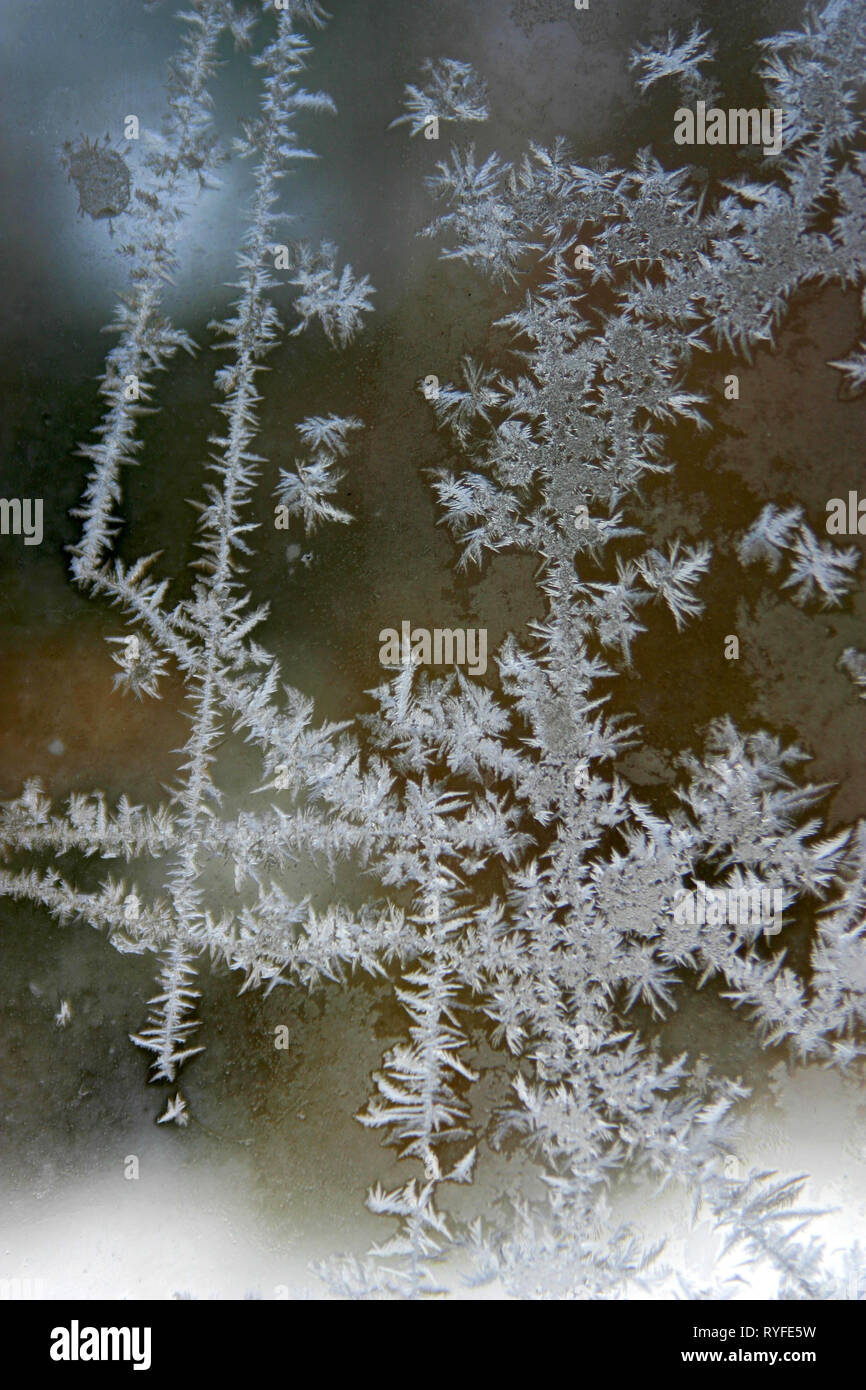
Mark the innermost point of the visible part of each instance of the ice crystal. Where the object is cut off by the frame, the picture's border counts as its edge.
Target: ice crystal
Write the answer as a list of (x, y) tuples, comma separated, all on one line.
[(208, 635), (818, 569), (671, 58), (554, 461), (452, 92), (523, 887)]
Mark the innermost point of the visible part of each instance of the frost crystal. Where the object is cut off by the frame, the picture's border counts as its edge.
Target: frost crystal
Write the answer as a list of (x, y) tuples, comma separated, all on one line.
[(818, 570), (452, 92), (525, 894), (670, 58)]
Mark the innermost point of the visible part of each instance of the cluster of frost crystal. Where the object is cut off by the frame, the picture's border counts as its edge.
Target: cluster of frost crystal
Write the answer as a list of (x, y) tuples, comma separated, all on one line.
[(521, 882), (634, 271)]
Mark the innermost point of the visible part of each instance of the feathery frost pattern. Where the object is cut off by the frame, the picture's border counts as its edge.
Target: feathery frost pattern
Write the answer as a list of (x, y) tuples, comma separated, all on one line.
[(522, 886)]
